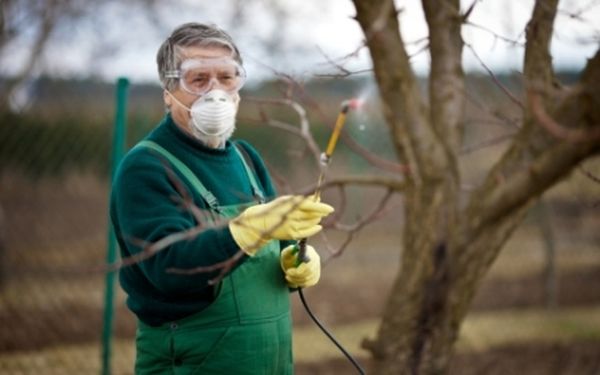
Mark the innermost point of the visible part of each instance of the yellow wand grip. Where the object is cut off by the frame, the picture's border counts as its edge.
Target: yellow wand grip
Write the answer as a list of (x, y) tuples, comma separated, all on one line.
[(339, 124)]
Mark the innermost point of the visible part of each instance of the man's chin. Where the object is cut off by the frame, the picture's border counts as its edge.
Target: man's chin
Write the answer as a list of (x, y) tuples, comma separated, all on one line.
[(213, 141)]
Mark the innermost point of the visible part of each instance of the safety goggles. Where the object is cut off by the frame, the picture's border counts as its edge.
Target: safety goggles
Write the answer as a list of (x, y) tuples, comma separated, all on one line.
[(200, 75)]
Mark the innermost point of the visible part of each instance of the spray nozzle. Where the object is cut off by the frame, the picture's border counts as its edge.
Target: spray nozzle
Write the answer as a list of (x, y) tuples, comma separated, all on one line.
[(351, 104)]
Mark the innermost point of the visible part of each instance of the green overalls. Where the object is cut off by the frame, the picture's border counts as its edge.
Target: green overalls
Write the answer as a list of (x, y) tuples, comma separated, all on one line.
[(246, 330)]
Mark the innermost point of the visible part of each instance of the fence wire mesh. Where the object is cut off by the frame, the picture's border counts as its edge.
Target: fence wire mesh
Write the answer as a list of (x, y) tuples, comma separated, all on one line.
[(54, 188)]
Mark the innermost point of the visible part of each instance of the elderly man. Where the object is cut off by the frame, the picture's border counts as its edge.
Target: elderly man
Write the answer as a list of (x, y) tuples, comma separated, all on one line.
[(242, 324)]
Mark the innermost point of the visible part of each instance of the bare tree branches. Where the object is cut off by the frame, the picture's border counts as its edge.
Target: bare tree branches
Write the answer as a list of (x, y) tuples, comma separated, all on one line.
[(205, 220), (446, 77), (527, 169), (338, 65), (390, 183), (557, 130), (223, 267), (538, 62), (412, 135), (302, 131), (589, 175), (39, 18), (494, 34), (510, 95), (352, 230), (485, 144), (531, 181)]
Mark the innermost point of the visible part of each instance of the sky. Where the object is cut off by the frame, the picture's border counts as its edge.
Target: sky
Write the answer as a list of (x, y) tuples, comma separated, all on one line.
[(315, 32)]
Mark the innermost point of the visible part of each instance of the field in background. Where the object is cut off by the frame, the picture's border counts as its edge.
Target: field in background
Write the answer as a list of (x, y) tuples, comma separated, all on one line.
[(52, 292), (54, 190)]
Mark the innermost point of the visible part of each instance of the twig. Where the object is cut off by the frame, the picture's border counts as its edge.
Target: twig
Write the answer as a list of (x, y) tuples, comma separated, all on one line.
[(488, 143), (557, 130), (223, 267), (495, 79), (589, 175), (343, 72), (497, 114), (302, 131), (228, 264), (354, 228), (494, 34)]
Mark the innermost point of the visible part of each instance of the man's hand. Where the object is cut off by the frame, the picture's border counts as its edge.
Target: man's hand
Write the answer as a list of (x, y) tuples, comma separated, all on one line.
[(285, 218), (304, 274)]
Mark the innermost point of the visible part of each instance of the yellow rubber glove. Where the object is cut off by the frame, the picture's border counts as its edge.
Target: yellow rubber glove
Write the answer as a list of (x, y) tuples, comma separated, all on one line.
[(305, 274), (285, 218)]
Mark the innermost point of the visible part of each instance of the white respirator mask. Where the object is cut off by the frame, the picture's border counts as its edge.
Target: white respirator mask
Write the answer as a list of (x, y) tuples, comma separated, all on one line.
[(212, 116)]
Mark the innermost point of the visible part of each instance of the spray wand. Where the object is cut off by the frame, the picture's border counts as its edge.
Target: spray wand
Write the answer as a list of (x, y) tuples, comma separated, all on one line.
[(325, 159), (300, 248)]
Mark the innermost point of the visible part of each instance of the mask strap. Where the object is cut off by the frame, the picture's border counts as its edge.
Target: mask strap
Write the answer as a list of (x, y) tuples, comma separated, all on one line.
[(178, 102)]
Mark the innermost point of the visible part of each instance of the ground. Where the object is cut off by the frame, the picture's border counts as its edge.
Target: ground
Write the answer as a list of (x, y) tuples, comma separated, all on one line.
[(350, 309), (52, 295)]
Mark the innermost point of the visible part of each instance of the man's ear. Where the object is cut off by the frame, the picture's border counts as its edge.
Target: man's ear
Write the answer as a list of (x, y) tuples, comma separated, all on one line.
[(167, 99)]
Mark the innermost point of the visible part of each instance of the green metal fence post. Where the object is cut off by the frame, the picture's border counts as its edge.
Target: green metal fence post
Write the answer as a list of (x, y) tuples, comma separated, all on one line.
[(118, 149)]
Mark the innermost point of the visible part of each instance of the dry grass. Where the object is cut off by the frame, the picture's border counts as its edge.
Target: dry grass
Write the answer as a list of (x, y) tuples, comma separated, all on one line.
[(47, 279), (480, 332)]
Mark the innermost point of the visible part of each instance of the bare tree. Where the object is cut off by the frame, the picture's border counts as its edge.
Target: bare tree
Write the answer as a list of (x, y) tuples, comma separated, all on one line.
[(39, 19), (32, 27), (449, 239)]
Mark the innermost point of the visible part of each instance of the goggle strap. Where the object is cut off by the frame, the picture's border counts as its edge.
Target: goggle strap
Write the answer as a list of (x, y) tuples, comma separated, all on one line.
[(172, 74)]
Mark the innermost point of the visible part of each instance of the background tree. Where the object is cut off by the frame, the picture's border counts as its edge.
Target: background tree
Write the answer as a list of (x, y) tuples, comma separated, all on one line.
[(451, 238), (31, 29)]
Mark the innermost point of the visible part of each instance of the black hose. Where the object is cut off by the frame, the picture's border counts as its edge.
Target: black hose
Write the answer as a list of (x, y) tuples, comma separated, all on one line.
[(328, 334)]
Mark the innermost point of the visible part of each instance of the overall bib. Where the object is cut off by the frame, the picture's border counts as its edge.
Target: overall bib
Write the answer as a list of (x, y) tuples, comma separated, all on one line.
[(246, 330)]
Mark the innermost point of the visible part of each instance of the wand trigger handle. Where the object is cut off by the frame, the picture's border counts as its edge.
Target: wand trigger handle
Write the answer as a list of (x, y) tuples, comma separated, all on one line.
[(301, 257)]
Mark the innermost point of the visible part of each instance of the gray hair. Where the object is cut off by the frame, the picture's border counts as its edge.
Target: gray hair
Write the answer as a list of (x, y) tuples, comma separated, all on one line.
[(169, 54)]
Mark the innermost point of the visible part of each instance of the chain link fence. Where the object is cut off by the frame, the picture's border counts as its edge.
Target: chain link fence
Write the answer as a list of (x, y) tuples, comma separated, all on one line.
[(54, 188), (54, 191)]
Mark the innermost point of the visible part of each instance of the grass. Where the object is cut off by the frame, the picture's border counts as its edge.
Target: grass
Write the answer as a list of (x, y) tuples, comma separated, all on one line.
[(71, 359), (480, 332), (54, 281)]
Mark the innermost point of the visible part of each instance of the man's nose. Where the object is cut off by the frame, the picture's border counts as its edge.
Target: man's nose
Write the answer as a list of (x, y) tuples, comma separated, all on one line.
[(214, 83)]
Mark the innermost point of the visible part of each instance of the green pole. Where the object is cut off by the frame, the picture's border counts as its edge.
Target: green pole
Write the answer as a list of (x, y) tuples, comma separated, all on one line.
[(118, 149)]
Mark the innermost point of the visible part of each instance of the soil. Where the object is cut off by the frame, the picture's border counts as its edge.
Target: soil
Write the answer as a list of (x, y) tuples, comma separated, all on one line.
[(581, 358), (580, 287), (71, 324)]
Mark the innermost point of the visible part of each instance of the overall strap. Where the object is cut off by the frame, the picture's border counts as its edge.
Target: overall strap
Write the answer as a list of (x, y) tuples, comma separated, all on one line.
[(181, 167), (258, 194)]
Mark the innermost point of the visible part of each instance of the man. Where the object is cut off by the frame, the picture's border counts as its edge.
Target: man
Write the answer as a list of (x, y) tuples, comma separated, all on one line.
[(186, 325)]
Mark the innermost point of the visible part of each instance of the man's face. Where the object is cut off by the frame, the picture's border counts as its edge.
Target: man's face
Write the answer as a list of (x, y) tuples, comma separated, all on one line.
[(181, 115)]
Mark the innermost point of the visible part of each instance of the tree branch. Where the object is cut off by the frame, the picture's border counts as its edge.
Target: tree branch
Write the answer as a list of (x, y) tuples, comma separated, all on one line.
[(446, 80), (504, 89), (538, 61), (302, 131), (559, 131), (353, 229), (393, 184), (531, 181), (535, 160), (403, 106)]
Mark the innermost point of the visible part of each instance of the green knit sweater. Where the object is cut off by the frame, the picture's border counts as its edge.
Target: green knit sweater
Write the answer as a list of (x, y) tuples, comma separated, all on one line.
[(143, 209)]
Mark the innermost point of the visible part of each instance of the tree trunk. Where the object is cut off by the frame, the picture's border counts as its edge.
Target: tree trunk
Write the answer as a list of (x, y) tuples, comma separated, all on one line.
[(449, 244), (2, 248)]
